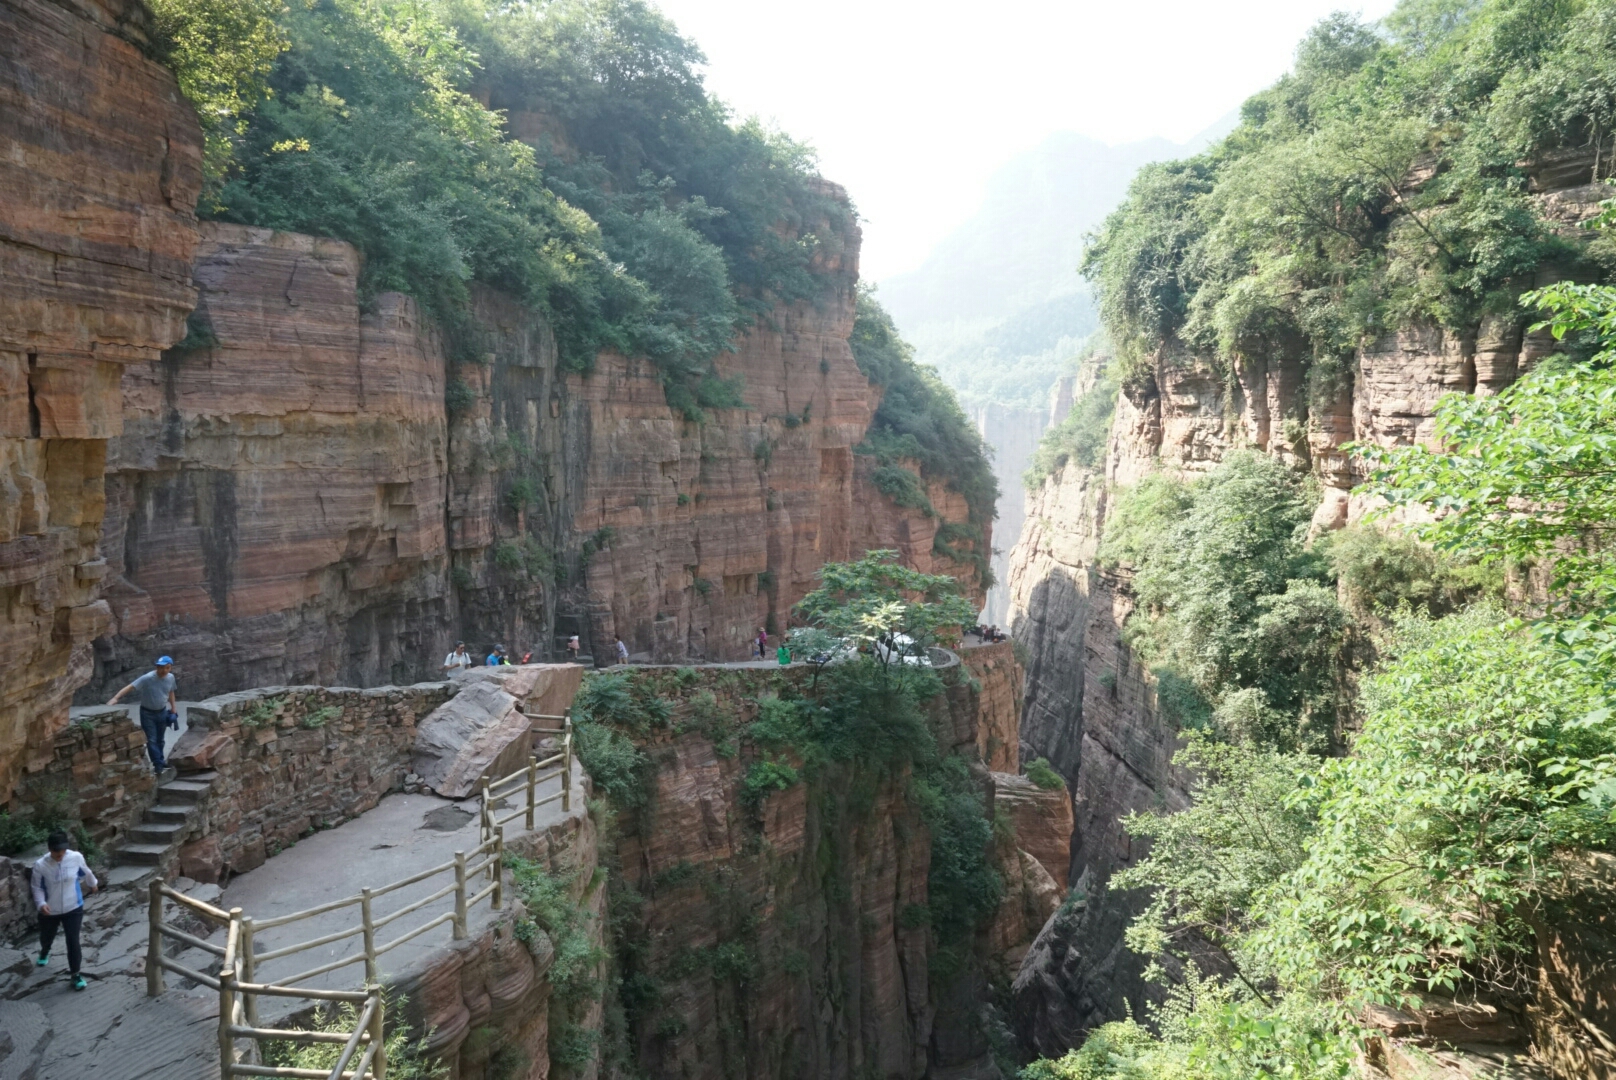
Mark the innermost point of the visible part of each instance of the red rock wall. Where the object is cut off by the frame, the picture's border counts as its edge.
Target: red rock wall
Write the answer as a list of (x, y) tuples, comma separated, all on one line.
[(100, 175), (779, 939), (276, 500)]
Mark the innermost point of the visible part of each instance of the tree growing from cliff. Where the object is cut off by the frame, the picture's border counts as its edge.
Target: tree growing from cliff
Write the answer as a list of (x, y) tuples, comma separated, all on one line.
[(877, 598)]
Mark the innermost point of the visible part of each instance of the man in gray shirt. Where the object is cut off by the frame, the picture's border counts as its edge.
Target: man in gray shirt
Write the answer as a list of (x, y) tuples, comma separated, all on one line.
[(155, 692)]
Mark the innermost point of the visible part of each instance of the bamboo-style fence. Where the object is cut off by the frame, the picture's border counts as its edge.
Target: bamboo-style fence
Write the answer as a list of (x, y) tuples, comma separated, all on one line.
[(239, 1029)]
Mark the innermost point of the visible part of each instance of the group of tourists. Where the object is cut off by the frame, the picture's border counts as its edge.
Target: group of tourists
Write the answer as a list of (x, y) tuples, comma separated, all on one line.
[(988, 634)]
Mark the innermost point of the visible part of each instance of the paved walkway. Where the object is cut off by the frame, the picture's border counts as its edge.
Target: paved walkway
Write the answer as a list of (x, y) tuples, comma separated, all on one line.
[(112, 1031)]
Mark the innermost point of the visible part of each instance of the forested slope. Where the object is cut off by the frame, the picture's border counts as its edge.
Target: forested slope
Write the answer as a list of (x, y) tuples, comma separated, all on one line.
[(1325, 774)]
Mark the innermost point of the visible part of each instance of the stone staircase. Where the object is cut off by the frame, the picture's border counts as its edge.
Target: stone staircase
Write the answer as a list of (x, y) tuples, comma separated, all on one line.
[(152, 847)]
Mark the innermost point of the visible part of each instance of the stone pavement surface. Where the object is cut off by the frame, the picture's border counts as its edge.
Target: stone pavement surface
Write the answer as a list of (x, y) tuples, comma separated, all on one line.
[(112, 1031)]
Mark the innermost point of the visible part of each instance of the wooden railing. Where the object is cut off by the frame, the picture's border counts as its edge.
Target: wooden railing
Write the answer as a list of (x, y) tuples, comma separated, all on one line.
[(490, 821), (238, 994), (239, 958)]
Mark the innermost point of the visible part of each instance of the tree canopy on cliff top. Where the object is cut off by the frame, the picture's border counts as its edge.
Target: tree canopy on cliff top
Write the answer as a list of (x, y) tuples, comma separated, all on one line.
[(637, 217), (1382, 182)]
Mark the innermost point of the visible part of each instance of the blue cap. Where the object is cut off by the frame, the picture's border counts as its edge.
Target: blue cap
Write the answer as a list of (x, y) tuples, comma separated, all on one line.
[(162, 660)]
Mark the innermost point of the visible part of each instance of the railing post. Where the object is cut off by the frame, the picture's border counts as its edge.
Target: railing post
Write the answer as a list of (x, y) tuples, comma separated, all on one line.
[(370, 935), (532, 787), (378, 1036), (488, 814), (566, 765), (227, 1010), (460, 896), (249, 1001), (497, 866), (154, 947)]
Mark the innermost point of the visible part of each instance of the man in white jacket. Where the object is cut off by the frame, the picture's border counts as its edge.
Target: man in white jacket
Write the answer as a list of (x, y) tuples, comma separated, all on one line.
[(59, 880)]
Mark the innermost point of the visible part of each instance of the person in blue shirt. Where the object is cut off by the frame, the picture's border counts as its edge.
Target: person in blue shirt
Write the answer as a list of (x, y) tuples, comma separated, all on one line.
[(58, 882), (155, 692), (498, 657)]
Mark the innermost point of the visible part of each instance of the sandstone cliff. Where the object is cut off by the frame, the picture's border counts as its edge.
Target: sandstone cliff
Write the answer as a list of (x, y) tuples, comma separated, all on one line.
[(783, 936), (100, 178), (1090, 707), (312, 491)]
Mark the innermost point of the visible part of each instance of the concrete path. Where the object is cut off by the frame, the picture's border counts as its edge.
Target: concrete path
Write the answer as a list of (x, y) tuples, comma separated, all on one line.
[(402, 836), (112, 1031)]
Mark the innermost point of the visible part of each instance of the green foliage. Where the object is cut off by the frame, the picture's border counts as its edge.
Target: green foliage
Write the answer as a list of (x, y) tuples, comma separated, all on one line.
[(1209, 863), (221, 53), (407, 1058), (613, 762), (902, 487), (876, 596), (1376, 185), (1229, 598), (962, 886), (1211, 1031), (458, 398), (524, 559), (1525, 476), (1040, 773), (320, 718), (1436, 834), (763, 779), (18, 834), (1082, 435), (919, 419), (1381, 570), (548, 897), (643, 221)]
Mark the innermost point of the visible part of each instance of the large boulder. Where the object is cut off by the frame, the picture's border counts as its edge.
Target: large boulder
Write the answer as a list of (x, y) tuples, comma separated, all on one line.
[(483, 730)]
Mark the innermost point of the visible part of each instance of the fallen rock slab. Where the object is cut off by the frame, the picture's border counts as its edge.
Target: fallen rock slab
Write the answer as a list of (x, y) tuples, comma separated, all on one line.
[(483, 730)]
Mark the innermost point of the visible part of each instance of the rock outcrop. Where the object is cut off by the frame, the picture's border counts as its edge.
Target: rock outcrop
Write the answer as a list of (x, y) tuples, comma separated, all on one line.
[(99, 182), (1090, 707), (785, 935), (484, 730)]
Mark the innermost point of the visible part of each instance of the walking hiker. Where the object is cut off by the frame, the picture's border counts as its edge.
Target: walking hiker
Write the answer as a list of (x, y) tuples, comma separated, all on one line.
[(783, 655), (497, 657), (58, 882), (155, 692), (459, 660), (622, 652), (573, 645)]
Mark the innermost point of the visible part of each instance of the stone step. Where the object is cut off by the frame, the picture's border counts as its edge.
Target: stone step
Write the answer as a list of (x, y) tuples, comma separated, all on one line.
[(143, 854), (181, 791), (128, 876), (156, 832), (172, 814)]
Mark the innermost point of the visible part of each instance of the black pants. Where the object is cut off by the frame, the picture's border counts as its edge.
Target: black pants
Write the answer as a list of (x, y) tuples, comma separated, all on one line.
[(70, 922)]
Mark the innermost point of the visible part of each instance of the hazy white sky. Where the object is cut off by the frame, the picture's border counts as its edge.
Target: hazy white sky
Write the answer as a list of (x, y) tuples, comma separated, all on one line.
[(912, 105)]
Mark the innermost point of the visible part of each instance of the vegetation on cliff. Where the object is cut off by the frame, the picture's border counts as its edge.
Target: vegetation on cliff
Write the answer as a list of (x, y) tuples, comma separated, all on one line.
[(641, 220), (920, 420), (856, 736), (1382, 183), (1486, 755)]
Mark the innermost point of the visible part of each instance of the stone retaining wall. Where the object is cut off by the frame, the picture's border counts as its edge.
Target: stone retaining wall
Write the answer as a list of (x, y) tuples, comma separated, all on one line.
[(293, 759), (98, 774)]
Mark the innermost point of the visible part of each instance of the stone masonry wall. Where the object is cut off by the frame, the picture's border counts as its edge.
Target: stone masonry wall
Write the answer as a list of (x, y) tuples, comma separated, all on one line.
[(98, 775), (292, 759)]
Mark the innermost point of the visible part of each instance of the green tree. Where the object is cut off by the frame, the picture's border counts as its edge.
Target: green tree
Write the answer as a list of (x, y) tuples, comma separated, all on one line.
[(221, 52), (876, 598)]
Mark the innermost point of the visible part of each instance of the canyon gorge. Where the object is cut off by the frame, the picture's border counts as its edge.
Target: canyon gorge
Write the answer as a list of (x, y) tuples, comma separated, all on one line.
[(305, 468)]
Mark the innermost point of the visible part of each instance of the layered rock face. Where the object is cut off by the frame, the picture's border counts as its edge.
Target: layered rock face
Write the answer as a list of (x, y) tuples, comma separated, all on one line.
[(1090, 708), (276, 499), (100, 177), (778, 935)]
